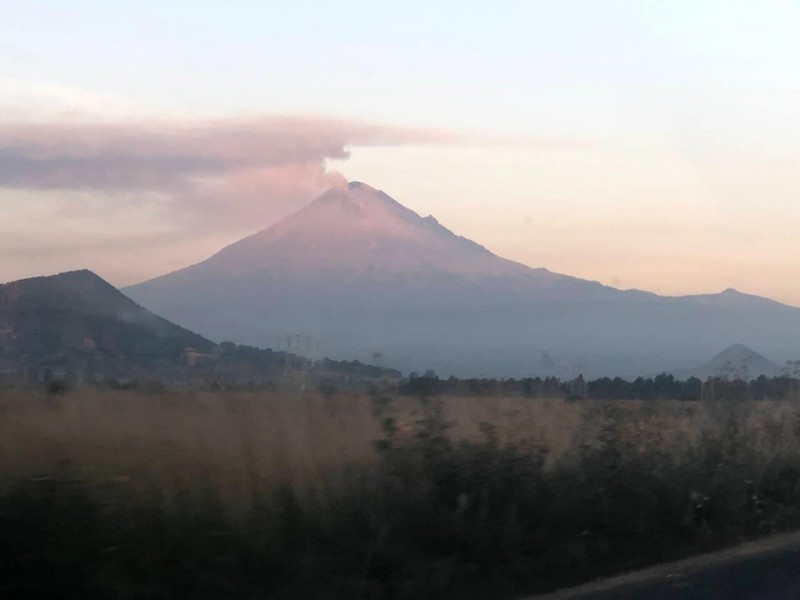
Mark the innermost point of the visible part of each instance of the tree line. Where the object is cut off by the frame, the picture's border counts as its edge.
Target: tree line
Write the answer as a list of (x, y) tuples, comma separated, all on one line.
[(663, 386)]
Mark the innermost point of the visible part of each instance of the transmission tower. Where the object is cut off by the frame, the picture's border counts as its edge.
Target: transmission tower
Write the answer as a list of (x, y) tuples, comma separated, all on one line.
[(580, 367), (301, 346)]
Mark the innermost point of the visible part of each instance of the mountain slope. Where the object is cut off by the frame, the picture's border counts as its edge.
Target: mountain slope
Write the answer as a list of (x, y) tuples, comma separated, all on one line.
[(362, 273), (77, 316), (361, 233), (355, 230)]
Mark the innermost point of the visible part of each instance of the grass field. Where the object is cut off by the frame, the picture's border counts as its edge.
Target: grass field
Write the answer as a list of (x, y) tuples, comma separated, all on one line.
[(247, 495)]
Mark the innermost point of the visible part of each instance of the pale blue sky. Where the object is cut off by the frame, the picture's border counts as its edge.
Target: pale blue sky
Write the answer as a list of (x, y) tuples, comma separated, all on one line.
[(473, 65), (645, 144)]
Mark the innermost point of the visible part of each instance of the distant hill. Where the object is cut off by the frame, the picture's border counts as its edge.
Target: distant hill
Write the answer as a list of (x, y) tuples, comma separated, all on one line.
[(364, 275), (735, 362), (76, 326), (78, 321)]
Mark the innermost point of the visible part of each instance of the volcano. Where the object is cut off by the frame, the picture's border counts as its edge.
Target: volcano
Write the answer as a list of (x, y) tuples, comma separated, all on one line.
[(363, 274), (360, 233)]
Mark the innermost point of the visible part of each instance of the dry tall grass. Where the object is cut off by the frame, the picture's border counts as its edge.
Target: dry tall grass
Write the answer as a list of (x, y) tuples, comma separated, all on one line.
[(232, 441), (520, 493), (240, 439)]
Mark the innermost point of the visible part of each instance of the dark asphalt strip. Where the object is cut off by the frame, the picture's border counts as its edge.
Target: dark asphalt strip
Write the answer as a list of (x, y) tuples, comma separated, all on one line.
[(767, 569)]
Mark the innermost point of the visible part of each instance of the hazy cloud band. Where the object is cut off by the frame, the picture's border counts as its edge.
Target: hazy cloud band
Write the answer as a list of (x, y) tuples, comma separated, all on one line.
[(247, 166)]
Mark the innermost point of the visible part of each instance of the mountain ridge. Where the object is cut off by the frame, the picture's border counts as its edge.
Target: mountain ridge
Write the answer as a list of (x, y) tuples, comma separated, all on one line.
[(363, 273), (80, 322)]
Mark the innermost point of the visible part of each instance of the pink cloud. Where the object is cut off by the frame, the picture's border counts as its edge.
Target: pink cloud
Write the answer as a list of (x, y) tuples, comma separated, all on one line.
[(228, 171)]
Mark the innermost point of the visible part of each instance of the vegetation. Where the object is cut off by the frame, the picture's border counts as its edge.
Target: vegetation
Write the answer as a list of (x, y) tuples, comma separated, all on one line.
[(660, 387), (123, 494)]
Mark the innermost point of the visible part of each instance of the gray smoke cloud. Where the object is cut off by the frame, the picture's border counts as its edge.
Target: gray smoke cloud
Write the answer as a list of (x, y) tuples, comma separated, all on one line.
[(229, 171)]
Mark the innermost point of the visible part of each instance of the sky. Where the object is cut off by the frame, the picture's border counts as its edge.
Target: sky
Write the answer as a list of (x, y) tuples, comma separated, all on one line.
[(644, 144)]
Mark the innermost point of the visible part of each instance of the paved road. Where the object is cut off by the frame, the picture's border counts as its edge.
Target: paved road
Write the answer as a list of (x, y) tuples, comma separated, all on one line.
[(768, 569)]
